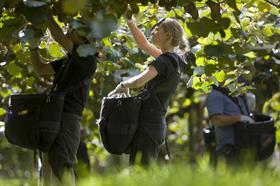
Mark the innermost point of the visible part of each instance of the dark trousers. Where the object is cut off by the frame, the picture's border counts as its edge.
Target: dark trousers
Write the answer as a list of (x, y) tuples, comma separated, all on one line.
[(62, 153), (146, 143)]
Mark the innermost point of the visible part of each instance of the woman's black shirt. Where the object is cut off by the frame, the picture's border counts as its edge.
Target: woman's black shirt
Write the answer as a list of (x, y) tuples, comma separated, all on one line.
[(162, 87)]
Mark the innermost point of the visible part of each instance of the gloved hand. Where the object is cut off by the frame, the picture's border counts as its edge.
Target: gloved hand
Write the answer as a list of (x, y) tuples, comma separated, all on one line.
[(120, 89), (246, 119)]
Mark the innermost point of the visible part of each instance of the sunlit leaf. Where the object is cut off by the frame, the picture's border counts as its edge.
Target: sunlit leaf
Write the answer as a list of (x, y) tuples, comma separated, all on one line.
[(30, 81), (55, 50), (267, 30), (13, 69), (73, 6), (220, 75), (2, 111)]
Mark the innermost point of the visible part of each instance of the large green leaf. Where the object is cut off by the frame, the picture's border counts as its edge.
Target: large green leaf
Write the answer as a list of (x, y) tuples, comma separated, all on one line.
[(13, 69), (214, 50), (2, 111), (55, 50), (224, 22), (102, 25), (10, 29), (73, 6), (36, 15), (232, 4), (203, 27), (86, 50)]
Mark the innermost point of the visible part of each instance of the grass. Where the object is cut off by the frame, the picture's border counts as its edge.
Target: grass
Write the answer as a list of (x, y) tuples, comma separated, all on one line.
[(183, 175), (177, 175)]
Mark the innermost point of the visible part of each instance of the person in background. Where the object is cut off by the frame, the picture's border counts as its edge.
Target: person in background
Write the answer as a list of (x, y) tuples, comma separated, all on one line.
[(224, 111)]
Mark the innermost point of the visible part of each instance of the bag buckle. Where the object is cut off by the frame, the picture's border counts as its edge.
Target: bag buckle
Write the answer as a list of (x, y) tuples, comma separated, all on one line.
[(119, 103)]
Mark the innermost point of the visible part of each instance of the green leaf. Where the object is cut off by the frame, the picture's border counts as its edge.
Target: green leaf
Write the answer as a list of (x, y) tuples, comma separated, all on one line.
[(251, 55), (2, 111), (196, 83), (232, 4), (200, 61), (220, 75), (55, 50), (30, 81), (86, 50), (214, 50), (13, 69), (276, 106), (267, 30), (224, 22), (106, 42), (36, 15), (203, 27), (102, 25), (198, 70), (73, 6), (10, 29), (264, 7)]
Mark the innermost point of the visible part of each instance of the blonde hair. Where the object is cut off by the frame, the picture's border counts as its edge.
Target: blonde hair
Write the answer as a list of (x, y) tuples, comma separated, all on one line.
[(178, 38)]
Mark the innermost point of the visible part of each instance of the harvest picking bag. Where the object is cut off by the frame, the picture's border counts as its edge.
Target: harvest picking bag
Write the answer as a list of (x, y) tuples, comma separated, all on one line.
[(118, 122), (33, 120), (258, 136)]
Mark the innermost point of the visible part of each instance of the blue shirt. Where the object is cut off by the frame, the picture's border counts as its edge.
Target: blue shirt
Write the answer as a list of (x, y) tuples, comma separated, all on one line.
[(219, 103)]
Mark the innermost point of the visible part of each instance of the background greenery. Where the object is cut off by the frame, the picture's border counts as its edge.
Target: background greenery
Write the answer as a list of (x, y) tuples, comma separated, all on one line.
[(227, 39)]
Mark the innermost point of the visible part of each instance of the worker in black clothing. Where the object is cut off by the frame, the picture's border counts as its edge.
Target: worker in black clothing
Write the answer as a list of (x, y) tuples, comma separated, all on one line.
[(77, 73)]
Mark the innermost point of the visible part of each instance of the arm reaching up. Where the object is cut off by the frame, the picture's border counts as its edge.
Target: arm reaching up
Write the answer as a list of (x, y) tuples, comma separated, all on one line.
[(58, 34), (141, 39)]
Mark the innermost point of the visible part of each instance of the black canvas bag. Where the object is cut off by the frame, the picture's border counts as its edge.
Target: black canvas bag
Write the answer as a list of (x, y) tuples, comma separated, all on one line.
[(119, 118), (259, 137), (33, 120)]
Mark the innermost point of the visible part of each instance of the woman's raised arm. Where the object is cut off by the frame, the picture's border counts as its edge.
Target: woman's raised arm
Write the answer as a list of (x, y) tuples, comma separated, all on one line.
[(141, 39)]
